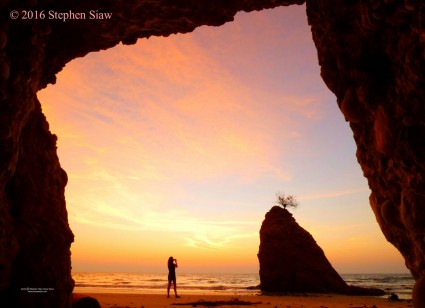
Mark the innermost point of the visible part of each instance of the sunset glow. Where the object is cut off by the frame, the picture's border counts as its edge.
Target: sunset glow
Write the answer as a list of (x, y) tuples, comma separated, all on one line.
[(177, 146)]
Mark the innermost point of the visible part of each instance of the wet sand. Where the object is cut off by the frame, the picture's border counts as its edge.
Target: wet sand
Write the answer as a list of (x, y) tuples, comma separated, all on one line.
[(117, 300)]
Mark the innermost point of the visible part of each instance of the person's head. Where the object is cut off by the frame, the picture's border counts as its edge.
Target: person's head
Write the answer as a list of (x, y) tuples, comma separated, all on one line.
[(170, 260)]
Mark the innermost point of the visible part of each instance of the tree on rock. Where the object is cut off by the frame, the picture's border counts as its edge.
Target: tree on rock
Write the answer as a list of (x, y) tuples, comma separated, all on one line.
[(286, 200)]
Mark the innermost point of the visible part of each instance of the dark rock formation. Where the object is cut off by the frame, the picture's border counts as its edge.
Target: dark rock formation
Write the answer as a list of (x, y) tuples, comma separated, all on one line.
[(372, 57), (86, 302), (291, 260), (393, 297), (418, 293)]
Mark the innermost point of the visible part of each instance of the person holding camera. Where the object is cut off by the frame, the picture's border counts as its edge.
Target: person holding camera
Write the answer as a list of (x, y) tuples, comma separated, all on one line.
[(172, 264)]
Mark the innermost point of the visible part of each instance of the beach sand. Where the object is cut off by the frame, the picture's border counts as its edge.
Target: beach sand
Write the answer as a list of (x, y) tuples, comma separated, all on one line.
[(116, 300)]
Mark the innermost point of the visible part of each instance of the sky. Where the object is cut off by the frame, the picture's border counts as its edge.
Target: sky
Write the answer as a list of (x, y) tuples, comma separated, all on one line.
[(178, 146)]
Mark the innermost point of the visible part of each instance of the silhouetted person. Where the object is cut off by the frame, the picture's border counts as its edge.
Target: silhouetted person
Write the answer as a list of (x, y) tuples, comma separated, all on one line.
[(172, 264)]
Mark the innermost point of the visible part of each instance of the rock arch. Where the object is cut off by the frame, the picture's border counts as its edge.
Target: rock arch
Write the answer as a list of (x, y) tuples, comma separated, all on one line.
[(371, 54)]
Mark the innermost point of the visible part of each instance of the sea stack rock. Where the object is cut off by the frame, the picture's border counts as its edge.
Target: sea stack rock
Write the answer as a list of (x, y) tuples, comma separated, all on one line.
[(291, 260)]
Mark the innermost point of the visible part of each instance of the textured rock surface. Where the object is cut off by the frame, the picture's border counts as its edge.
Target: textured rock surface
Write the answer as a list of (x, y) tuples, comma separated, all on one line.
[(291, 261), (372, 57)]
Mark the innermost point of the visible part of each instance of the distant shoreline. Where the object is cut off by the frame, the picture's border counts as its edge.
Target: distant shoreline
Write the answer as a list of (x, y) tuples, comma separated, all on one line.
[(224, 284)]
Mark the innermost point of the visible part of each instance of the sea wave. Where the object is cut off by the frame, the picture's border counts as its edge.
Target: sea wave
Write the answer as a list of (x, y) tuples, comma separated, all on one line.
[(401, 284)]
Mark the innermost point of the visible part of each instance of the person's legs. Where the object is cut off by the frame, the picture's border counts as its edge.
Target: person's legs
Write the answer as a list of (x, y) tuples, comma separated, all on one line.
[(168, 289), (175, 288)]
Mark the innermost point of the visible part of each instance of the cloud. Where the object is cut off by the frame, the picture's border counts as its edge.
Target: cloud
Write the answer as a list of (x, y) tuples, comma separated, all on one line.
[(137, 124), (190, 134), (207, 242), (177, 108), (194, 232), (333, 194)]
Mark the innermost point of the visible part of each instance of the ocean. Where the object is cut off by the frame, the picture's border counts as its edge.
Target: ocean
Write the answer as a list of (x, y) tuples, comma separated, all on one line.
[(238, 284)]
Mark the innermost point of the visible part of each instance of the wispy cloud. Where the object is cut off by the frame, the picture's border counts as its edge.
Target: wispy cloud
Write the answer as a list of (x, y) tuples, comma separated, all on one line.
[(333, 194), (195, 232), (208, 242), (196, 116)]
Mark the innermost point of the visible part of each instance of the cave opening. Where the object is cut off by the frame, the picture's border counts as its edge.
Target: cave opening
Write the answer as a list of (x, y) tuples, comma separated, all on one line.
[(179, 144)]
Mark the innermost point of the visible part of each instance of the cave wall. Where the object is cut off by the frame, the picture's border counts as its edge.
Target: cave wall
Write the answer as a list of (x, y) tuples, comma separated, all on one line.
[(371, 54)]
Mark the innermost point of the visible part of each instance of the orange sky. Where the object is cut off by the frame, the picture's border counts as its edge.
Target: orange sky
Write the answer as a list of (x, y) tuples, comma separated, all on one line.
[(177, 146)]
